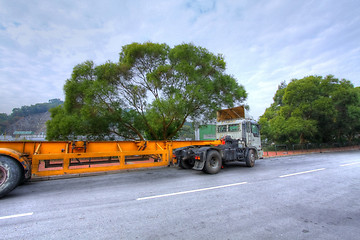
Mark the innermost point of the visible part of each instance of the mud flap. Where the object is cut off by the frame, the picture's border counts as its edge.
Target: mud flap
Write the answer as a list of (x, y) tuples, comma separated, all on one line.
[(199, 165)]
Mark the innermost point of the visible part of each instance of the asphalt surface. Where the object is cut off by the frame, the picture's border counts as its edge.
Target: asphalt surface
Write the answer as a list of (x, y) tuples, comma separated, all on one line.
[(313, 196)]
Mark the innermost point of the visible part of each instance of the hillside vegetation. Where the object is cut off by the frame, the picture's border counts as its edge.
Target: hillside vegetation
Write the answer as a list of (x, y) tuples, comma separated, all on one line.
[(28, 118)]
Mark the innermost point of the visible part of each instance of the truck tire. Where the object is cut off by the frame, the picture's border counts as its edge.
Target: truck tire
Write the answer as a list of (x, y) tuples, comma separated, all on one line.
[(213, 162), (10, 175), (250, 158), (187, 163)]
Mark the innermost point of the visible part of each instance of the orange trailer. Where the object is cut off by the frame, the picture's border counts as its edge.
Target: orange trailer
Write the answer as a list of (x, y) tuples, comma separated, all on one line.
[(21, 161)]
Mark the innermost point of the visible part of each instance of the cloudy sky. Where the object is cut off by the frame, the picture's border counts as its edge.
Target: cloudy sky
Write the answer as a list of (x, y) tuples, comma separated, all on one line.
[(264, 41)]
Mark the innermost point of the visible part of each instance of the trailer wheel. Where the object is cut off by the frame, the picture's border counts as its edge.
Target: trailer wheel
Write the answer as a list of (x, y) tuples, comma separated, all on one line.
[(250, 158), (10, 175), (187, 163), (213, 162)]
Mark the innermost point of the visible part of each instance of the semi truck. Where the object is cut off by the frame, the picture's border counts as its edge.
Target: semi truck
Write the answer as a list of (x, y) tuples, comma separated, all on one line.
[(240, 138), (21, 161)]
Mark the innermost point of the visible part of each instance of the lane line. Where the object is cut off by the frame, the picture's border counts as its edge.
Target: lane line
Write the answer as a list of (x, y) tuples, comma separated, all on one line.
[(191, 191), (17, 215), (349, 164), (310, 171)]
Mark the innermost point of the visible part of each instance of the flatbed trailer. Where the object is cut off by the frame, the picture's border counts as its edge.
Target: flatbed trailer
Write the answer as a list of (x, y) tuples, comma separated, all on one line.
[(22, 161)]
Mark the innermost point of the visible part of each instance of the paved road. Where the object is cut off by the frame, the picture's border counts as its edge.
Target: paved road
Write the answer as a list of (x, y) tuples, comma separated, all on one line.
[(312, 196)]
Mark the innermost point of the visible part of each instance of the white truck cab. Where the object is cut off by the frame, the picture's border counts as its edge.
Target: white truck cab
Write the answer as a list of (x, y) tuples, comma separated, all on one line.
[(231, 122)]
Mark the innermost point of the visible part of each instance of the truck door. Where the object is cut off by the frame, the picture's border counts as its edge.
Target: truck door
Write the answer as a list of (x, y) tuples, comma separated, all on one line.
[(255, 135), (251, 134)]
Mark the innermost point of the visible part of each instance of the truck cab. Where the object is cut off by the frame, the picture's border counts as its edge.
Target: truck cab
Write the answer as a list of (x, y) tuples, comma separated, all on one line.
[(232, 122), (241, 142)]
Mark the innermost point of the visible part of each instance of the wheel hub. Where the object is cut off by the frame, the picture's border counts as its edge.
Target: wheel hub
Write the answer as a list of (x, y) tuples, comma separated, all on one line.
[(213, 162), (3, 175)]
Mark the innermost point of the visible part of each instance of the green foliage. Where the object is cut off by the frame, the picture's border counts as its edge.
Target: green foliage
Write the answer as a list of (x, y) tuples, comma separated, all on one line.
[(24, 111), (34, 109), (148, 94), (187, 132), (313, 109)]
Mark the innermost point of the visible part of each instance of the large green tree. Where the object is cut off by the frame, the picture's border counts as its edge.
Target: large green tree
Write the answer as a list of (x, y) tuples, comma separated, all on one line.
[(313, 109), (148, 94)]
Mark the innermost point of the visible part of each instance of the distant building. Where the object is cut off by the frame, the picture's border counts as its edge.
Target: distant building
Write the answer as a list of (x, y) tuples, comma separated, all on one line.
[(23, 134), (29, 135), (206, 132)]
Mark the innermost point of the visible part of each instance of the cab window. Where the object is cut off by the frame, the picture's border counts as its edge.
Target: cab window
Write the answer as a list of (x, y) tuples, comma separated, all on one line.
[(255, 130), (222, 128), (234, 128)]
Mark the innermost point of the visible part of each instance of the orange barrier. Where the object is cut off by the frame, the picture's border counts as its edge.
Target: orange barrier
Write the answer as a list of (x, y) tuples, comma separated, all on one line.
[(268, 154)]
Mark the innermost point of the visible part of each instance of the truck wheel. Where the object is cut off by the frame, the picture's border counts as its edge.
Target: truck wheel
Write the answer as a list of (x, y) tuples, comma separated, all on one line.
[(187, 163), (10, 175), (213, 162), (250, 159)]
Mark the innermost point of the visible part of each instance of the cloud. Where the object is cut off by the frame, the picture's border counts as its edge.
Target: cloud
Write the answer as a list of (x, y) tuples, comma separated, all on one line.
[(264, 42)]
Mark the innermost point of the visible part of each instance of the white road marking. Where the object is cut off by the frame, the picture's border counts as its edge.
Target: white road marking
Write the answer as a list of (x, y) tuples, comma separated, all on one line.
[(191, 191), (17, 215), (348, 164), (293, 174)]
